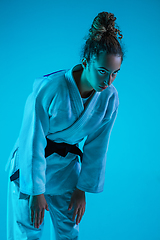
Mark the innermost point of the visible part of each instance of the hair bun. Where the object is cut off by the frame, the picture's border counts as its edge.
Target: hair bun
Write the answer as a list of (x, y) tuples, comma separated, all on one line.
[(103, 36), (103, 26)]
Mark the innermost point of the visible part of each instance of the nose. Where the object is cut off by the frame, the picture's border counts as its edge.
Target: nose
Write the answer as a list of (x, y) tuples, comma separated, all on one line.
[(108, 81)]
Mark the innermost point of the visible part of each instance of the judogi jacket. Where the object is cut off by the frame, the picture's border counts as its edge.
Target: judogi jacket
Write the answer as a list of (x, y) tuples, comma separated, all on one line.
[(55, 110)]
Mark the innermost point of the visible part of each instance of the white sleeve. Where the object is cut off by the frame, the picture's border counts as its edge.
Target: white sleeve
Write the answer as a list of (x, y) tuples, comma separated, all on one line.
[(32, 143), (92, 173)]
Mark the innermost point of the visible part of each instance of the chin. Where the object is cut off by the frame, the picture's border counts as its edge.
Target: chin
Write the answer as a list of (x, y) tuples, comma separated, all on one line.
[(100, 89)]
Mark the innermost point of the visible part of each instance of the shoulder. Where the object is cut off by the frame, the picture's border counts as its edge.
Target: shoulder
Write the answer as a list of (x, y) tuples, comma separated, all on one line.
[(48, 81), (110, 96), (108, 102), (46, 87), (114, 94), (111, 91)]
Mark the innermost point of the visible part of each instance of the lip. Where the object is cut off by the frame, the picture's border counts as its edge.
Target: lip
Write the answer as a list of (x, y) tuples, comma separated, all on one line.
[(103, 87)]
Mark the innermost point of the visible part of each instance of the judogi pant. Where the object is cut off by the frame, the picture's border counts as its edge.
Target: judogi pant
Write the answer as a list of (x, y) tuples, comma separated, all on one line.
[(18, 219)]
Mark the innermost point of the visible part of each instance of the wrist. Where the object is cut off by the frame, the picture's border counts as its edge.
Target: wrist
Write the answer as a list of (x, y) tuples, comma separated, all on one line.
[(80, 191)]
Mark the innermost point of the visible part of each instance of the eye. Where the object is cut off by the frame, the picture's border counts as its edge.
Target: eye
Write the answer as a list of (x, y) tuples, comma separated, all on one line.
[(102, 72), (114, 74)]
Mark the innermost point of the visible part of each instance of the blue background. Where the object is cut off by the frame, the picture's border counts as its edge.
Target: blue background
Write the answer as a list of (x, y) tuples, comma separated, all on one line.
[(38, 37)]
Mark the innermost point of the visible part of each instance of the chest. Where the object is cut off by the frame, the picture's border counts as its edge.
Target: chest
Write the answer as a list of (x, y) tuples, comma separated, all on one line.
[(66, 113)]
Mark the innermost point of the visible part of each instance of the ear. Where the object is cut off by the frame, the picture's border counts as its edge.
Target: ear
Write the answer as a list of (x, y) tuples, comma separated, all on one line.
[(84, 62)]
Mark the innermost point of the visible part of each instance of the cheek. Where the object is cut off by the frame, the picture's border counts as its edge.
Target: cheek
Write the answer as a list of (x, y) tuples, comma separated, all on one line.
[(113, 79), (94, 76)]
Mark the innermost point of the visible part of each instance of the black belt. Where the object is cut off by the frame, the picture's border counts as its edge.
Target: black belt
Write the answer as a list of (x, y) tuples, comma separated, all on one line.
[(62, 149), (52, 147)]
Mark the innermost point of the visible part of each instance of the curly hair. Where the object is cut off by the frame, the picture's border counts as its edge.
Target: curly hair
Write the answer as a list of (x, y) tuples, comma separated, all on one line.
[(104, 35)]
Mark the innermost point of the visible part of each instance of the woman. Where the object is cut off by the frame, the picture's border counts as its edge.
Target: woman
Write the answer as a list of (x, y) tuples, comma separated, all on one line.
[(48, 171)]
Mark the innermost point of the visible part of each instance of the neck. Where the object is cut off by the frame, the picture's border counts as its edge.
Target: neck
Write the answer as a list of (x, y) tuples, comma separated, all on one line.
[(84, 88)]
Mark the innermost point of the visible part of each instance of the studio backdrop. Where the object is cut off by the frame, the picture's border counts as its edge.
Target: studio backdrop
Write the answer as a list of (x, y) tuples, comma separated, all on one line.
[(40, 37)]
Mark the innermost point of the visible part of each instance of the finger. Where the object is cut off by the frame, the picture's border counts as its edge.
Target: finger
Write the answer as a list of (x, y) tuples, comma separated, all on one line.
[(42, 216), (38, 218), (82, 212), (79, 216), (35, 220), (47, 208), (74, 213), (70, 206), (31, 216)]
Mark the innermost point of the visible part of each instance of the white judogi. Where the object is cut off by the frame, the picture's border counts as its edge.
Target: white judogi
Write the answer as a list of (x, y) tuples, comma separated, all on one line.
[(55, 110)]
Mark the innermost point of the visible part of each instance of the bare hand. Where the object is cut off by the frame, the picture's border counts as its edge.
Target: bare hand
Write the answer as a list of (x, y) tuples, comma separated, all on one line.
[(37, 205), (78, 200)]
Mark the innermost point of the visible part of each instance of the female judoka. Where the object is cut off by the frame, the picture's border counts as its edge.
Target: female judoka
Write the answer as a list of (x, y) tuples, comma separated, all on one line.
[(48, 171)]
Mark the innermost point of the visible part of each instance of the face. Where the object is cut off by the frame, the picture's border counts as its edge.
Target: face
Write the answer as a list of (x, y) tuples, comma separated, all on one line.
[(102, 71)]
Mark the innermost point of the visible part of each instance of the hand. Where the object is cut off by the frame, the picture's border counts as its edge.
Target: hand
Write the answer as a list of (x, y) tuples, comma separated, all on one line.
[(37, 205), (78, 200)]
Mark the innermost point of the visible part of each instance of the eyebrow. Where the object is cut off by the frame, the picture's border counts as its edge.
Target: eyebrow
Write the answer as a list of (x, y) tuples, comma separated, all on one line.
[(108, 70)]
